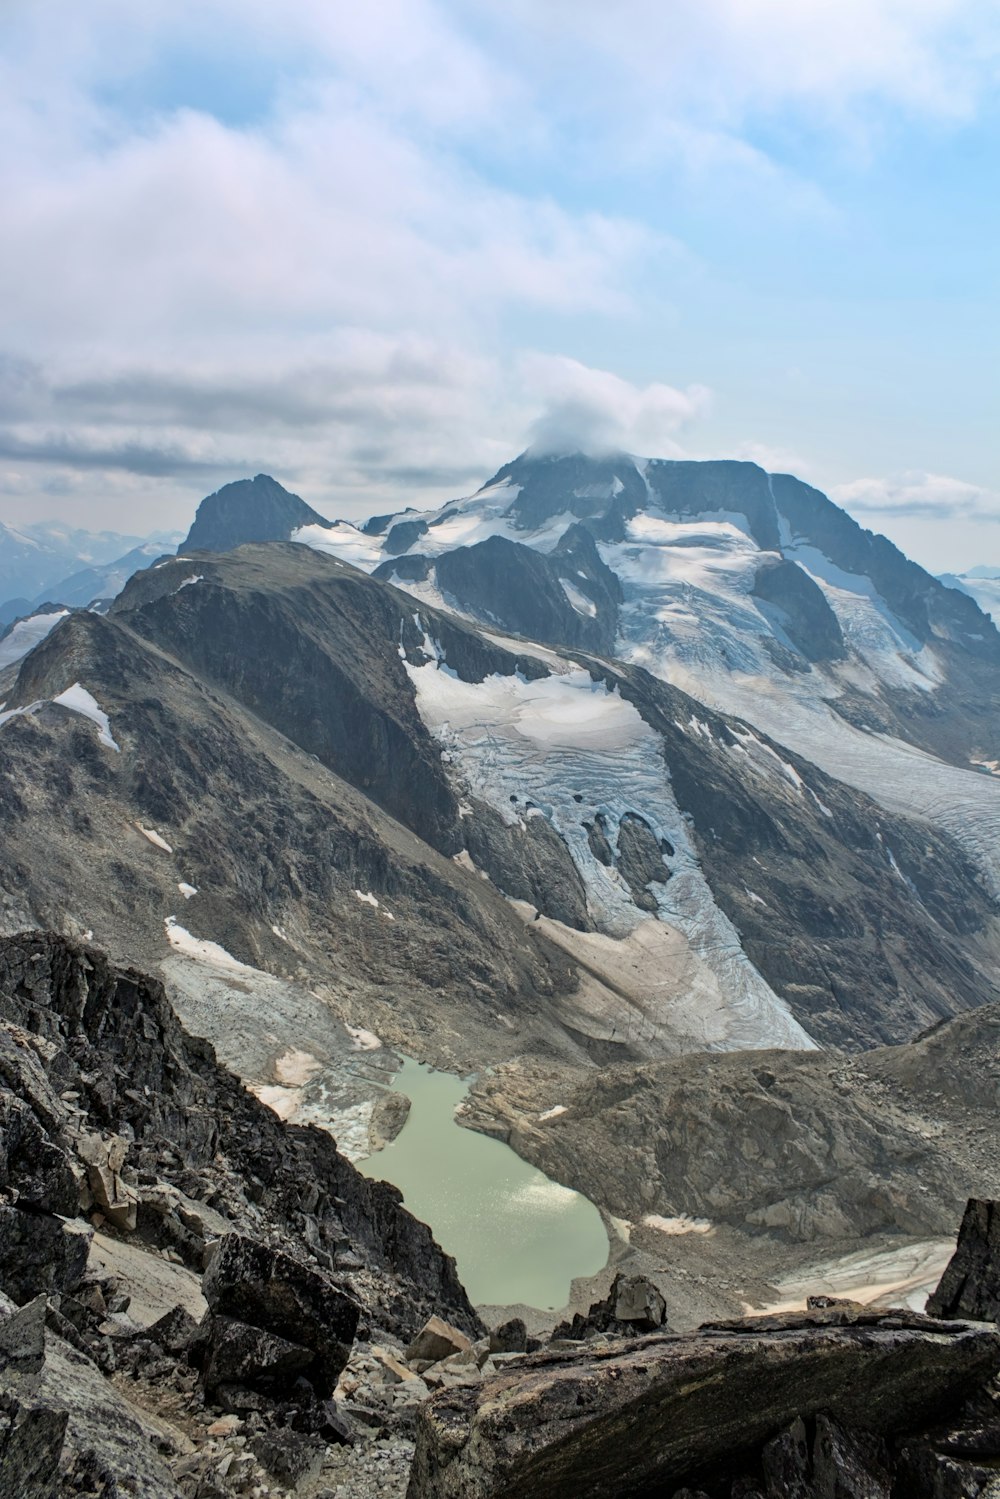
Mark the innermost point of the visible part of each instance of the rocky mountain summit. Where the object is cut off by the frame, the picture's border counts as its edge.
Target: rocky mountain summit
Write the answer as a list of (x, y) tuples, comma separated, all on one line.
[(661, 798), (140, 1182), (248, 510)]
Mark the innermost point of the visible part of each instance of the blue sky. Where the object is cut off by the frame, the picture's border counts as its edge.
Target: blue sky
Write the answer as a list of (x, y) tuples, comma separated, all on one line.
[(376, 250)]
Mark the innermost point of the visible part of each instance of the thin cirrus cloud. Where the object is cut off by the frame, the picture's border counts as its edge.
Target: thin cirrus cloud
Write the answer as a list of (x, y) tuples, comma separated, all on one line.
[(919, 495)]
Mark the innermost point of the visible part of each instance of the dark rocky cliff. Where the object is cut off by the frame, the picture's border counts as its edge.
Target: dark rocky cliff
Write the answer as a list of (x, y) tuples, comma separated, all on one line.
[(248, 510)]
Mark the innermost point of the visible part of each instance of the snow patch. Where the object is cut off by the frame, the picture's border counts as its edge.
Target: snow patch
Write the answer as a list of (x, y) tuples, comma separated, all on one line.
[(26, 634), (200, 950), (367, 898), (579, 600), (78, 700), (188, 891), (553, 1113), (362, 1040), (159, 842), (677, 1226), (344, 541)]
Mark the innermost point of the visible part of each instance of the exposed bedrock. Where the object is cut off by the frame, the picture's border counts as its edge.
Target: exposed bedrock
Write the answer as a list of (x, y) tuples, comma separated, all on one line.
[(800, 1146), (644, 1418), (528, 861), (71, 1023), (800, 608), (970, 1286)]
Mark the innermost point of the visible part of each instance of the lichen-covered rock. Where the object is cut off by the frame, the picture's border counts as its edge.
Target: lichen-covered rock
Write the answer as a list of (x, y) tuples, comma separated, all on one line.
[(970, 1285), (654, 1415), (269, 1290), (31, 1441)]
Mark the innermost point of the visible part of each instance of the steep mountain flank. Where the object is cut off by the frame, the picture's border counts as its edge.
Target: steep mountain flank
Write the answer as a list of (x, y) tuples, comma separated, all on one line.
[(695, 885), (248, 510)]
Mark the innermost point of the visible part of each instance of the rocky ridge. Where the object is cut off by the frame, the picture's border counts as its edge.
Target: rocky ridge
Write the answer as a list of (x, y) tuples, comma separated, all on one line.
[(198, 1301), (139, 1184)]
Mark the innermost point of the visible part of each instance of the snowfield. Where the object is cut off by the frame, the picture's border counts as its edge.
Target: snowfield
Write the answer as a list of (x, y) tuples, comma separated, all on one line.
[(678, 981), (26, 634)]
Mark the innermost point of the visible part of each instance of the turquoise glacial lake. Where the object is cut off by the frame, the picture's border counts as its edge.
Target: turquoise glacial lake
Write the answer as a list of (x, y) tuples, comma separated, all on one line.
[(516, 1235)]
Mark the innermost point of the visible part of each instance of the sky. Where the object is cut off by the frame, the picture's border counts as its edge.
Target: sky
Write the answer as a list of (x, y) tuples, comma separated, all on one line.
[(377, 250)]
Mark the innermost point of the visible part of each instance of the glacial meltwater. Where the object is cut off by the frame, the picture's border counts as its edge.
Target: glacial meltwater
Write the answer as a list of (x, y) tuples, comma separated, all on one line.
[(516, 1235)]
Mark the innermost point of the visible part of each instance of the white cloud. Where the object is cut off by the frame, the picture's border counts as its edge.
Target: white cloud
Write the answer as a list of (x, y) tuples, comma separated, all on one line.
[(336, 278), (596, 411), (723, 60), (918, 494)]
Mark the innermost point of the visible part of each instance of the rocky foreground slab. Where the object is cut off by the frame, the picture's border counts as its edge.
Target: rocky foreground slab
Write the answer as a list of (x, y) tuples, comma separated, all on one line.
[(751, 1409)]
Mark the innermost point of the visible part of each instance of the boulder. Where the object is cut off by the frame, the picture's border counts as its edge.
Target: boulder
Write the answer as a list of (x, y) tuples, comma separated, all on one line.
[(22, 1338), (40, 1253), (436, 1340), (638, 1301), (509, 1337), (104, 1160), (632, 1305), (31, 1442), (970, 1285), (290, 1458), (269, 1290), (654, 1414), (244, 1355)]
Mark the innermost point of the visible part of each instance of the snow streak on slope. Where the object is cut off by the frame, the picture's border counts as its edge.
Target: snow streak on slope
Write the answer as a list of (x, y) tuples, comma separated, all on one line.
[(26, 634), (78, 700), (528, 749)]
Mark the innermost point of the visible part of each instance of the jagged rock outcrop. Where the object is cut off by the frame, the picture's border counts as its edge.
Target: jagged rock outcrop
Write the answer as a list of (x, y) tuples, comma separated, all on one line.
[(110, 1040), (970, 1286), (117, 1121), (654, 1416)]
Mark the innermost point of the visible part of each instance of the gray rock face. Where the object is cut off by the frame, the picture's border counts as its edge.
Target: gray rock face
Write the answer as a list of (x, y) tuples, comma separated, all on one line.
[(271, 1291), (640, 859), (249, 510), (528, 861), (523, 591), (970, 1286), (800, 609), (112, 1039), (652, 1416)]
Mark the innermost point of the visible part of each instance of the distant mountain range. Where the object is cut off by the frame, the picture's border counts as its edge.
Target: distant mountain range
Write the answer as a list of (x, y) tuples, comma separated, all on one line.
[(51, 563)]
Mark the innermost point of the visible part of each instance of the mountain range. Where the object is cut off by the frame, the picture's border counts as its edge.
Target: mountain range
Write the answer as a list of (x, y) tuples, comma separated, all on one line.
[(659, 795)]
